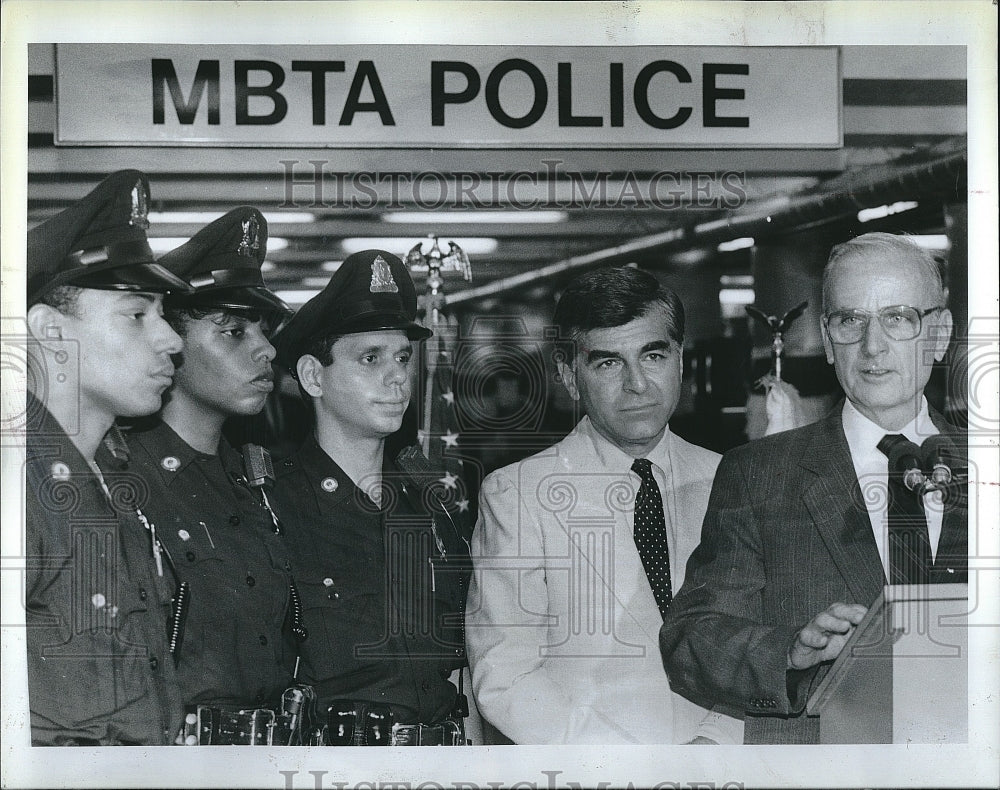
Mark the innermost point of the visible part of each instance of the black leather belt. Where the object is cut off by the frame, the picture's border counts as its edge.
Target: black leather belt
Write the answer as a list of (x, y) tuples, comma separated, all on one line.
[(348, 723), (209, 725), (447, 733), (363, 723)]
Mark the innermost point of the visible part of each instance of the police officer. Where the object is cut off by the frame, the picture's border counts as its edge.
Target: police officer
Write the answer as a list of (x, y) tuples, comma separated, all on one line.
[(208, 503), (97, 594), (376, 552)]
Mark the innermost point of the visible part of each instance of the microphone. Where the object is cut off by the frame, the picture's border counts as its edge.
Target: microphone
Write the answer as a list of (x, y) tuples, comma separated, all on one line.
[(259, 470), (904, 459), (257, 465), (415, 464), (937, 452)]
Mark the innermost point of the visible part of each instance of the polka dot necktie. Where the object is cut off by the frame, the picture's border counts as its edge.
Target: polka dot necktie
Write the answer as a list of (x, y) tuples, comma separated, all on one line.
[(650, 533), (909, 544)]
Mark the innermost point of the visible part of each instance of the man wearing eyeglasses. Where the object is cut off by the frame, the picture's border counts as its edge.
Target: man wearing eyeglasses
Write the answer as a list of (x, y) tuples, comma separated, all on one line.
[(797, 543)]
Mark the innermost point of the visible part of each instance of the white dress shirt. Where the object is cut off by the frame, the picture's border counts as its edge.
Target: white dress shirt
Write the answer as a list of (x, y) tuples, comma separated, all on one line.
[(872, 469)]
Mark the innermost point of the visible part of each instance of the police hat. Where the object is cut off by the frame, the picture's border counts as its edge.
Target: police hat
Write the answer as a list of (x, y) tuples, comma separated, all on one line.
[(371, 290), (222, 262), (99, 242)]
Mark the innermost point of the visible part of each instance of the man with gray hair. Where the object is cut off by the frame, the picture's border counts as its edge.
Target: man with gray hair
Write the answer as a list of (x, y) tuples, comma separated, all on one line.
[(804, 528)]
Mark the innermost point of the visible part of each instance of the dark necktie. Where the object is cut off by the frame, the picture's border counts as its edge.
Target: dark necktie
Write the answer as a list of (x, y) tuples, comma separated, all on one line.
[(909, 544), (650, 533)]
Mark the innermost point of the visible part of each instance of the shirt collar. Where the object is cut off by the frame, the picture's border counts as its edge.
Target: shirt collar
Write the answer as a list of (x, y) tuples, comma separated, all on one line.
[(616, 460), (169, 453), (329, 483), (863, 435)]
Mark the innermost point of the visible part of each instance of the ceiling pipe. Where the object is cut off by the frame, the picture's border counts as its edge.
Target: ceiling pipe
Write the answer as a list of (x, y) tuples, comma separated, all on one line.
[(839, 197)]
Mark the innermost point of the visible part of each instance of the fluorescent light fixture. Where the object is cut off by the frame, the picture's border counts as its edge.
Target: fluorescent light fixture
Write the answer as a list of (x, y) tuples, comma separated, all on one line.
[(931, 241), (475, 217), (314, 282), (476, 245), (267, 266), (288, 217), (296, 297), (736, 244), (868, 214), (163, 244), (331, 266), (736, 280), (204, 217), (689, 257), (736, 296)]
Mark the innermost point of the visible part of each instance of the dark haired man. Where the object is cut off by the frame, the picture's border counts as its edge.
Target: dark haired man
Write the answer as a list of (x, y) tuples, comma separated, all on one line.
[(578, 548), (97, 603), (235, 652), (377, 555), (799, 537)]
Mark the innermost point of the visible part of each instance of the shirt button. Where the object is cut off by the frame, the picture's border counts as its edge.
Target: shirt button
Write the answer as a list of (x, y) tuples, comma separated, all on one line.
[(143, 595), (262, 639), (425, 685), (234, 520), (190, 556), (153, 663), (251, 581)]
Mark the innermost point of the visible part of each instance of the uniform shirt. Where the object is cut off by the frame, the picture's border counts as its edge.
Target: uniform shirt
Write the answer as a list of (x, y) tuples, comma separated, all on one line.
[(872, 468), (375, 589), (235, 648), (99, 667)]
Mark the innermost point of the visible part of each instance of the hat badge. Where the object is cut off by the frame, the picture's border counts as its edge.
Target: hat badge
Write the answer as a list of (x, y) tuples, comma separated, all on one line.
[(382, 282), (139, 218), (250, 242)]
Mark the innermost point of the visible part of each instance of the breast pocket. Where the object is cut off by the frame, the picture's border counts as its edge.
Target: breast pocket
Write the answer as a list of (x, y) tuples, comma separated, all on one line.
[(343, 620)]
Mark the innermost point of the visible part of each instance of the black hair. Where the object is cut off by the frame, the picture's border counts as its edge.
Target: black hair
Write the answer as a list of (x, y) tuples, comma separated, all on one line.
[(614, 296), (178, 316), (63, 298), (321, 347)]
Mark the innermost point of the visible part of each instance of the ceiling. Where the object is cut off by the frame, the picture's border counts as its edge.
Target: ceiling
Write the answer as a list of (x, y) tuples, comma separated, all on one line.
[(904, 109)]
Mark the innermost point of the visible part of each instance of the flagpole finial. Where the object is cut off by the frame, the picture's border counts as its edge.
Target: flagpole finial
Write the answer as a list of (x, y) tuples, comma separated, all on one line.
[(435, 263), (778, 327)]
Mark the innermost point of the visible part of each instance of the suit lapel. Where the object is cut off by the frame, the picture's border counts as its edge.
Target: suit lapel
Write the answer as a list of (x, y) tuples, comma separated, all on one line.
[(835, 502), (953, 545)]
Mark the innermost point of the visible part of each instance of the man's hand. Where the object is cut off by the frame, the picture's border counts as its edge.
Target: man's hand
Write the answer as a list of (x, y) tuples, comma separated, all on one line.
[(823, 637)]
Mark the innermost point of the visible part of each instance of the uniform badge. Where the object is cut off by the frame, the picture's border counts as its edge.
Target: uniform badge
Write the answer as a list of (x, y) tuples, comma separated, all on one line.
[(329, 484), (139, 217), (59, 471), (250, 242), (171, 463), (382, 282)]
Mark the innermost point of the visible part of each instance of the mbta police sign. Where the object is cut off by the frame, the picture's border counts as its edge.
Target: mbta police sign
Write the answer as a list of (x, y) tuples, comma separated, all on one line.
[(405, 96)]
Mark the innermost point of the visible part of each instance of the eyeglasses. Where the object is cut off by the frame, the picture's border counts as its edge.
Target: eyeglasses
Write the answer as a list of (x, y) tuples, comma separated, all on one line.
[(899, 322)]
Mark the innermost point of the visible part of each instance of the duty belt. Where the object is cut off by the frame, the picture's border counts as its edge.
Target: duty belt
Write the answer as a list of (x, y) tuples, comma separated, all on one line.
[(362, 723), (208, 725)]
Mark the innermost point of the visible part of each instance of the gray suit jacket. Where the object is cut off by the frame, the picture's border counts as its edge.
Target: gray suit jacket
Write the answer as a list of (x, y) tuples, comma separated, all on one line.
[(786, 535)]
